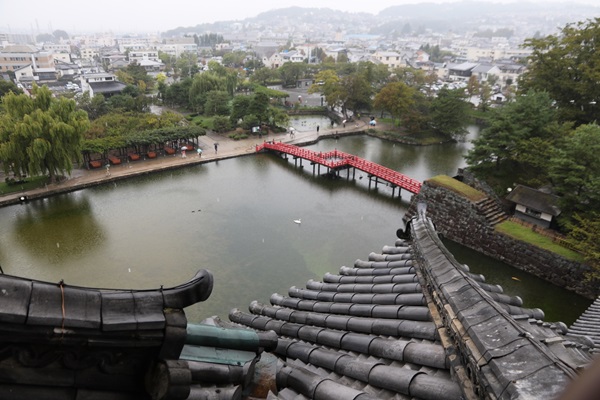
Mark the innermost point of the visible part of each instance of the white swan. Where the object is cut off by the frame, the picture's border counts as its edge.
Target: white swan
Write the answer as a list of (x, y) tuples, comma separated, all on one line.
[(298, 221)]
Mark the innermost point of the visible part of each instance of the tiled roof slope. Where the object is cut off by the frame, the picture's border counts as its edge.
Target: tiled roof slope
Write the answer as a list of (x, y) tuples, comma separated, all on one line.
[(413, 323), (61, 342), (588, 324)]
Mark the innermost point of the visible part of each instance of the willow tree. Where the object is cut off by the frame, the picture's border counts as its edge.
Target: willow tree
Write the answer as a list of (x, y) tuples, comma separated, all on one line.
[(40, 134)]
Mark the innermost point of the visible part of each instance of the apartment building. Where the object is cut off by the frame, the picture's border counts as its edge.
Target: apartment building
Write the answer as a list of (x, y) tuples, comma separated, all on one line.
[(17, 57)]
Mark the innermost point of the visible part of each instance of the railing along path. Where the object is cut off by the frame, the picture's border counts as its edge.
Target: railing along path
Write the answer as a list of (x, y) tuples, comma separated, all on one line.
[(338, 159)]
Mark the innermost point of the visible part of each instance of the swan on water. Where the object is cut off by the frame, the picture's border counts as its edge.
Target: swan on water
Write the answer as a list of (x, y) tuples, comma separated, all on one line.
[(298, 221)]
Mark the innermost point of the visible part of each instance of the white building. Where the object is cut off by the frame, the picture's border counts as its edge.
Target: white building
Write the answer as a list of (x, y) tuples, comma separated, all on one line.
[(101, 83)]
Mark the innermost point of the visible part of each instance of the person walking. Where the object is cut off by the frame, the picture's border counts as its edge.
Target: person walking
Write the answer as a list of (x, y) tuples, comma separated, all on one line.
[(216, 147), (317, 129), (199, 152)]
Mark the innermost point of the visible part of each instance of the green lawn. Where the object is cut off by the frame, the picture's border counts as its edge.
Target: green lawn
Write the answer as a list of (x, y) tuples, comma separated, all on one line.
[(525, 234), (457, 187), (30, 183)]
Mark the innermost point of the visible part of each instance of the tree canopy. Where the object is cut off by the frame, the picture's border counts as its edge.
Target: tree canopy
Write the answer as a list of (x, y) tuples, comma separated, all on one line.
[(575, 173), (518, 142), (40, 134), (567, 66)]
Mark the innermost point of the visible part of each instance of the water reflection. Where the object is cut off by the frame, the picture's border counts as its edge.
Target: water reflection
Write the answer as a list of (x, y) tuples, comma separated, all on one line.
[(57, 229), (558, 304), (234, 218)]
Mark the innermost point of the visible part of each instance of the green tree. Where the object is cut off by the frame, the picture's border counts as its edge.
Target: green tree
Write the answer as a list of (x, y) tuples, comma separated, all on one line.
[(178, 94), (356, 93), (397, 98), (6, 87), (567, 66), (518, 141), (40, 134), (329, 85), (449, 114), (290, 72), (187, 65), (472, 85), (376, 74), (217, 103), (263, 76), (202, 84), (259, 107), (134, 74), (234, 59), (575, 173), (239, 108), (221, 123), (585, 238), (94, 107)]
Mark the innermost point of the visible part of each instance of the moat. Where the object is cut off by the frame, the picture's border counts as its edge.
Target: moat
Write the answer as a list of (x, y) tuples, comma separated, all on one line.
[(235, 218)]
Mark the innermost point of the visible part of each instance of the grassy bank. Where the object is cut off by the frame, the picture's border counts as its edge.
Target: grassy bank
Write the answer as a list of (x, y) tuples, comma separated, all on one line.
[(525, 234), (27, 184)]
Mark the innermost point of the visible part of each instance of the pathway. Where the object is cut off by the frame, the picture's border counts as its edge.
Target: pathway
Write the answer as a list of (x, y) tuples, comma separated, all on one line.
[(227, 148)]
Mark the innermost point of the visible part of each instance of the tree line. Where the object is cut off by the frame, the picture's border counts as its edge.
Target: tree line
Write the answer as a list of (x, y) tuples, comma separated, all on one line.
[(548, 137)]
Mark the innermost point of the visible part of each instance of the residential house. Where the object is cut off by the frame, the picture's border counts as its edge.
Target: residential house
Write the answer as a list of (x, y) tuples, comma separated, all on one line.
[(101, 83), (391, 59), (90, 53), (139, 55), (485, 72), (177, 49), (460, 72)]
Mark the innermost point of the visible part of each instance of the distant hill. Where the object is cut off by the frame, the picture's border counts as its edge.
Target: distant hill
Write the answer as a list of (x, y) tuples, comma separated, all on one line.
[(459, 16)]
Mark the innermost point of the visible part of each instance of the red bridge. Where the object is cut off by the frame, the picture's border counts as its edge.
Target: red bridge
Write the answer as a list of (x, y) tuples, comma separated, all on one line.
[(336, 160)]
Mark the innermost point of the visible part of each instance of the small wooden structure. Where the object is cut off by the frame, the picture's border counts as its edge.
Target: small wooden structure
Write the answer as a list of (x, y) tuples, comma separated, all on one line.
[(534, 206)]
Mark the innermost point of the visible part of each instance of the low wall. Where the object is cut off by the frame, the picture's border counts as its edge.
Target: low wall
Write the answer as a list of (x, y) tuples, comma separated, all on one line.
[(458, 219)]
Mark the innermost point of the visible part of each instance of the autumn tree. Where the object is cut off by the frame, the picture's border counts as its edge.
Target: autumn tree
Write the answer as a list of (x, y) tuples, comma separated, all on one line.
[(40, 134)]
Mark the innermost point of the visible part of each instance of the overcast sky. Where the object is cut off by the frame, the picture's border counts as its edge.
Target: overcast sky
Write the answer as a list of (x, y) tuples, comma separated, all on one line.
[(119, 16)]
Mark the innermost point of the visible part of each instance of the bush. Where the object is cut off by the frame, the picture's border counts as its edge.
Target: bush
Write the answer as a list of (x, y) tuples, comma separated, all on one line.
[(221, 123), (238, 136)]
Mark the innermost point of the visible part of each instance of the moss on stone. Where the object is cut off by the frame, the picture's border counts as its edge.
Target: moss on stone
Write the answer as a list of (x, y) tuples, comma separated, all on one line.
[(457, 186)]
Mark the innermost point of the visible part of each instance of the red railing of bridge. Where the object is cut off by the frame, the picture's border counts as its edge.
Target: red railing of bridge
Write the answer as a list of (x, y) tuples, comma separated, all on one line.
[(337, 159)]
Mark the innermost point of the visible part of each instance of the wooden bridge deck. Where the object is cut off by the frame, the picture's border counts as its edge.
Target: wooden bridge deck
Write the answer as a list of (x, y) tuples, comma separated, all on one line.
[(336, 160)]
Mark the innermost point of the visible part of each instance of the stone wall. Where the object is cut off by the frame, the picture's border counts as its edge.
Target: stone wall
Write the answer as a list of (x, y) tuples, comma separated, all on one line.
[(458, 219)]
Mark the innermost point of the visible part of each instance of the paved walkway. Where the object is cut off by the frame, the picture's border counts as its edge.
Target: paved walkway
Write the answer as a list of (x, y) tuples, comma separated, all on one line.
[(227, 148)]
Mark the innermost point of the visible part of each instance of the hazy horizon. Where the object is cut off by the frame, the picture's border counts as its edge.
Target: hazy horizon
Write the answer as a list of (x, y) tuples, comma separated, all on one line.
[(120, 17)]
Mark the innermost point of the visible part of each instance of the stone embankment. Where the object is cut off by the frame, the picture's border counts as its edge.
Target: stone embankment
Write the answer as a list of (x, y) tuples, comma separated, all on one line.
[(471, 224)]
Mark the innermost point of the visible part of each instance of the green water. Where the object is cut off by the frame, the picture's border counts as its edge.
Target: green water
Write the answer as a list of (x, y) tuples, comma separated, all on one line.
[(236, 219)]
